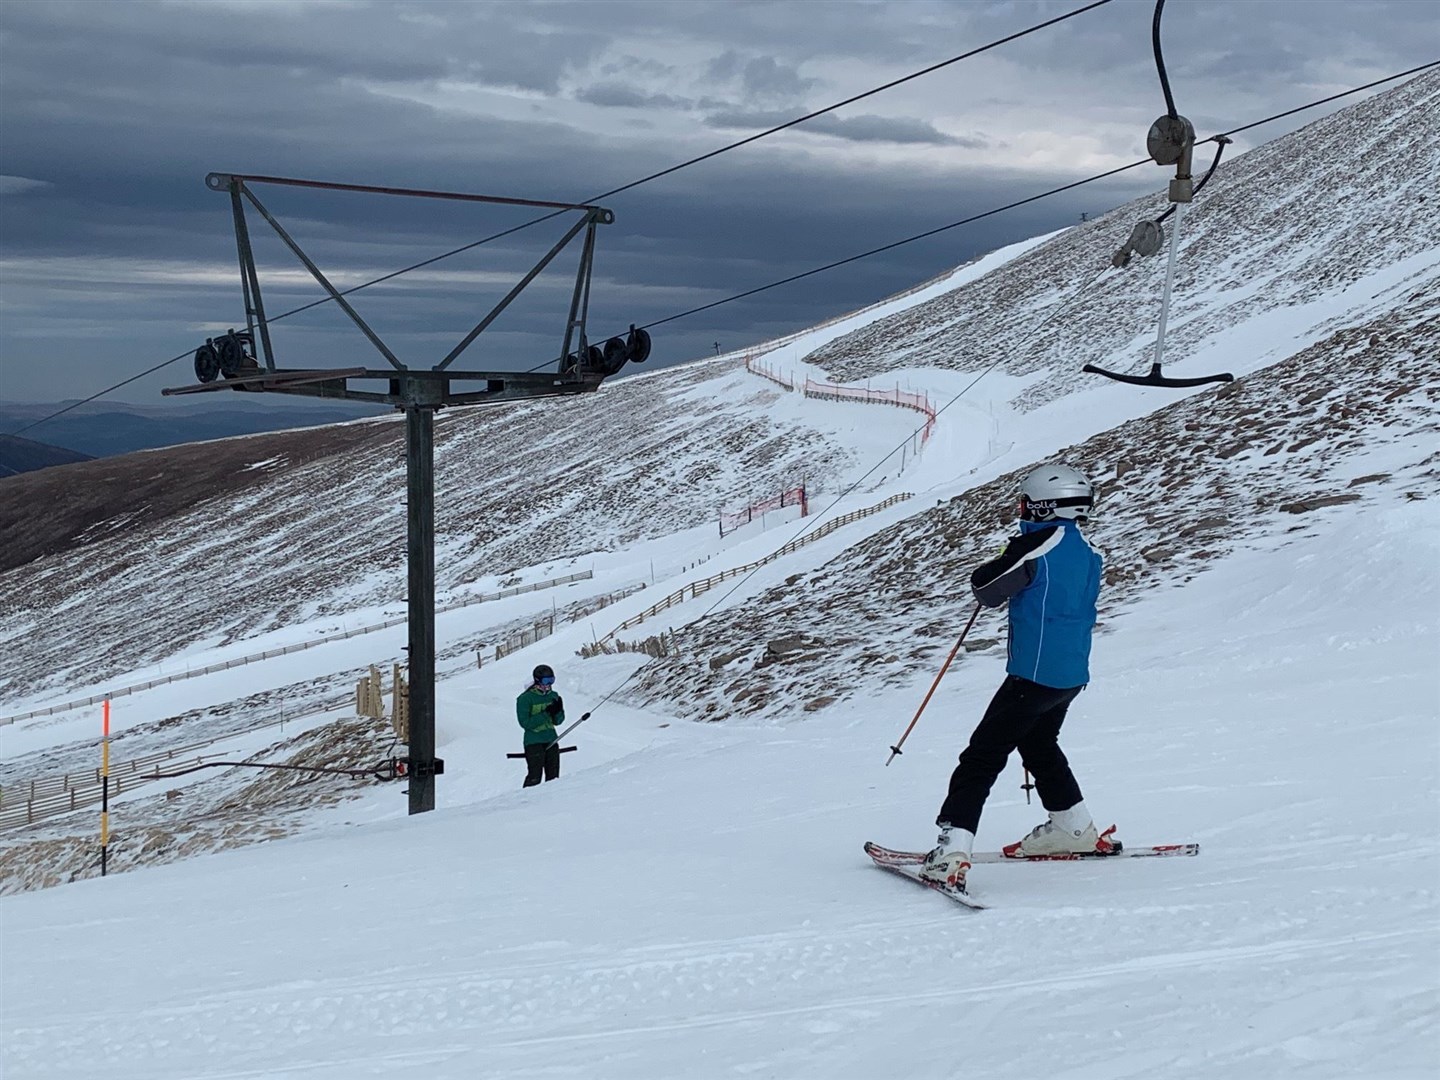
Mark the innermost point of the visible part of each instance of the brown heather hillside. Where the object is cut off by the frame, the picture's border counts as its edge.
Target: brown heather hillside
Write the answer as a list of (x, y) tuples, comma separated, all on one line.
[(55, 510), (1180, 488)]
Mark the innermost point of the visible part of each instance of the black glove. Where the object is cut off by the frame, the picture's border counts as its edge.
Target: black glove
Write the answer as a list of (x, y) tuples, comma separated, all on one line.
[(556, 707)]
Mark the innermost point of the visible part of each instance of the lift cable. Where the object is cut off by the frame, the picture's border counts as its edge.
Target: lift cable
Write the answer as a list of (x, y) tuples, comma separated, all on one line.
[(1214, 138), (615, 191), (1160, 60), (1221, 139), (706, 156), (900, 243), (815, 519)]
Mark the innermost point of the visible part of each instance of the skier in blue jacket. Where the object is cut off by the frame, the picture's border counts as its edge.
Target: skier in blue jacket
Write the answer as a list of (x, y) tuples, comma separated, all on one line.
[(1050, 577)]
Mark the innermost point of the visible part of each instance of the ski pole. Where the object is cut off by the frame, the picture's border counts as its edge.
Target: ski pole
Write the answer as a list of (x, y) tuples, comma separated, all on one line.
[(563, 749), (896, 748), (572, 727), (1027, 787)]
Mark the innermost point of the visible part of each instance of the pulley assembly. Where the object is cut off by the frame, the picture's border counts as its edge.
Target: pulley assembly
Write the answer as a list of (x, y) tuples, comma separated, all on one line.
[(633, 348), (1170, 141), (232, 355)]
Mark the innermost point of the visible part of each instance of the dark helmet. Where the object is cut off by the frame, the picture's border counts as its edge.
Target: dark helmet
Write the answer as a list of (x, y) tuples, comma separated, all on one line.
[(543, 671)]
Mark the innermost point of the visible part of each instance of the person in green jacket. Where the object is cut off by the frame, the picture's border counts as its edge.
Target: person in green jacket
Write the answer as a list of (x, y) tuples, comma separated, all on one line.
[(539, 709)]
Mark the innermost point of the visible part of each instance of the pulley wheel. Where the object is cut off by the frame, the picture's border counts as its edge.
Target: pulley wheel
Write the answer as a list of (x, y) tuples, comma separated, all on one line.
[(207, 363), (232, 356)]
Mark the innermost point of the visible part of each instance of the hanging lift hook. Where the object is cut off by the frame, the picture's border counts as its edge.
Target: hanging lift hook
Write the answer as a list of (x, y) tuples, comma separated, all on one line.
[(1170, 141)]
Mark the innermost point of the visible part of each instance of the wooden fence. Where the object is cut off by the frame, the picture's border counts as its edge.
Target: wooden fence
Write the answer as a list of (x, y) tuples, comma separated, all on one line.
[(833, 392), (31, 800), (270, 654), (704, 585), (531, 634)]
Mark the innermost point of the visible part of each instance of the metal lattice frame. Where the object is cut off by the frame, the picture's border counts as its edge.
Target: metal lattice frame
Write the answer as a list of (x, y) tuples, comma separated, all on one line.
[(419, 393)]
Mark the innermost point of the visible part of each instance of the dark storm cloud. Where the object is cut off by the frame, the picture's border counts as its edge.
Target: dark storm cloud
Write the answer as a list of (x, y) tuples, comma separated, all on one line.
[(114, 255), (619, 95), (760, 77), (1228, 63), (18, 185), (239, 44), (864, 128)]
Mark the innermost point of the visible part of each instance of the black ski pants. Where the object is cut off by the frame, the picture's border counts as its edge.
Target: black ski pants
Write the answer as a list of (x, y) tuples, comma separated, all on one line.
[(540, 756), (1022, 715)]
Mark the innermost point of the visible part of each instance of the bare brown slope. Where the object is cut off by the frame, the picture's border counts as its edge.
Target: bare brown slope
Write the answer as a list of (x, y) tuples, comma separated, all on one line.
[(19, 455), (57, 509), (1180, 488)]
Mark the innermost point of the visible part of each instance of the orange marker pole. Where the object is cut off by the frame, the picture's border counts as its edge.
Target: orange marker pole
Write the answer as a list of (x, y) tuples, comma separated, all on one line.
[(105, 790)]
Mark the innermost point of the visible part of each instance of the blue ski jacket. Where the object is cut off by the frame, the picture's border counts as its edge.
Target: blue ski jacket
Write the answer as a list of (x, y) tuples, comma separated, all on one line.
[(1050, 576)]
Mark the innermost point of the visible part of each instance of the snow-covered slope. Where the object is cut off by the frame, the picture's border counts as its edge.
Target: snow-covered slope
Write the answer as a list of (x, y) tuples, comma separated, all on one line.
[(691, 899), (698, 905), (1327, 228), (1352, 421)]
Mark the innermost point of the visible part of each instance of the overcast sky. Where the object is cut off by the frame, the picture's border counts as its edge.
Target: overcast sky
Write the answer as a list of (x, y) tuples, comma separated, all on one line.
[(114, 256)]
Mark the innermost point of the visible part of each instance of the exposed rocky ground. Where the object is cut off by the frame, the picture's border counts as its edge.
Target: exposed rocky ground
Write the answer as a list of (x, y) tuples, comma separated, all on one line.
[(1179, 488), (236, 807), (113, 565)]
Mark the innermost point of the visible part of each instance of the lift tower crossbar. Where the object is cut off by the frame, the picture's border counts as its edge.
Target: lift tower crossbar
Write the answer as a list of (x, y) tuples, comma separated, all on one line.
[(418, 393)]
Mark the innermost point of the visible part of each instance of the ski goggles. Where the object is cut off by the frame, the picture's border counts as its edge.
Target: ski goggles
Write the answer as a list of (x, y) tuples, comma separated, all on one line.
[(548, 680), (1041, 509)]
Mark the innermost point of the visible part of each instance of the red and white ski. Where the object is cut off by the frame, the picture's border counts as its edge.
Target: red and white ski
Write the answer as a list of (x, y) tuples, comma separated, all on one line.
[(888, 857), (910, 873)]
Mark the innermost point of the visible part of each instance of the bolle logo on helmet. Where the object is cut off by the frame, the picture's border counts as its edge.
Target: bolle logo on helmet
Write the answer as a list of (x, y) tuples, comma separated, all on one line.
[(1056, 491)]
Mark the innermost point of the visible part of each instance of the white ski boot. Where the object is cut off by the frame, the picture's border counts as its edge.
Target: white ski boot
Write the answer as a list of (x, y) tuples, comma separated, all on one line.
[(1068, 832), (949, 860)]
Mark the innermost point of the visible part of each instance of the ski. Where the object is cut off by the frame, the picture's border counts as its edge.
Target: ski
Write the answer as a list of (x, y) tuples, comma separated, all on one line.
[(909, 873), (888, 857)]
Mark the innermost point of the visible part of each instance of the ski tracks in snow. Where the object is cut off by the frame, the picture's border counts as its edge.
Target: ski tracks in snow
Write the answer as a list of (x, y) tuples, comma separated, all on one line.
[(588, 1013)]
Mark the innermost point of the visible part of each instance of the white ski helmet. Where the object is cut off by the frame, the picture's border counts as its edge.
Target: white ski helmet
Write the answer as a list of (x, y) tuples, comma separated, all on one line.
[(1056, 491)]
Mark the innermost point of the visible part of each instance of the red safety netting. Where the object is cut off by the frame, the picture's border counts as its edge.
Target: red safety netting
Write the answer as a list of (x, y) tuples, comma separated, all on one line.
[(904, 398), (792, 497)]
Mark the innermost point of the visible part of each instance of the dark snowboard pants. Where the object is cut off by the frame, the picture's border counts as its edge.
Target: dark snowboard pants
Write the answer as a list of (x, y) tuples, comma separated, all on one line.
[(542, 756), (1023, 715)]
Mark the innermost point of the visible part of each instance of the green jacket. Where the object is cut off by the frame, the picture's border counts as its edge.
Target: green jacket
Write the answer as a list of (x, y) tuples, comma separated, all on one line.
[(538, 724)]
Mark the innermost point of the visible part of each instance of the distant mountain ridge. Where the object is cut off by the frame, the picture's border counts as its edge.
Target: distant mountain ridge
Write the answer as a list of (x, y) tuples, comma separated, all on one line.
[(19, 455), (1349, 278), (102, 429)]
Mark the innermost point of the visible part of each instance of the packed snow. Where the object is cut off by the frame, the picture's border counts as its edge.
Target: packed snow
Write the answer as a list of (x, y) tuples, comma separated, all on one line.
[(691, 899)]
